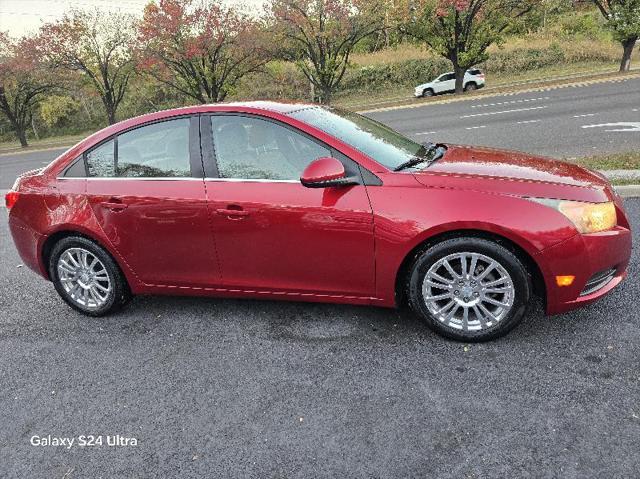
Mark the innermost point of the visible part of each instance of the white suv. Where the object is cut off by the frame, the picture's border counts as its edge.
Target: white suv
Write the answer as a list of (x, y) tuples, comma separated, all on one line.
[(473, 79)]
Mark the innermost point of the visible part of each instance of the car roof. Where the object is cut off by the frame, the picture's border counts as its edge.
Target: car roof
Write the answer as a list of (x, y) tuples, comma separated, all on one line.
[(279, 107), (258, 105), (283, 108)]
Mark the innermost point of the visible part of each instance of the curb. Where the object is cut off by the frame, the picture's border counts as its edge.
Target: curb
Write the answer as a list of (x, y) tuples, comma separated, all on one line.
[(628, 191)]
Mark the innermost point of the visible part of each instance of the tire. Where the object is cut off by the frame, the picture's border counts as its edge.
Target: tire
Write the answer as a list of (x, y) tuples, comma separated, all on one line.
[(508, 275), (105, 289), (470, 87), (428, 93)]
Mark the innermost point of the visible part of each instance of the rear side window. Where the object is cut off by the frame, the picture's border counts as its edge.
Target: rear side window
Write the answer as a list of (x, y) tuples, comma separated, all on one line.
[(101, 160), (474, 71), (158, 150)]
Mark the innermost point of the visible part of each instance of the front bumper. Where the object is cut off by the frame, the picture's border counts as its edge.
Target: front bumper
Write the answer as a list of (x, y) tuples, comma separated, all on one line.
[(585, 256)]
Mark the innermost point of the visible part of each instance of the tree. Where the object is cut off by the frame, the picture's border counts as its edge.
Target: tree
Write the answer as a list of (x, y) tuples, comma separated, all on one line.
[(23, 83), (320, 35), (201, 49), (98, 46), (623, 18), (462, 30)]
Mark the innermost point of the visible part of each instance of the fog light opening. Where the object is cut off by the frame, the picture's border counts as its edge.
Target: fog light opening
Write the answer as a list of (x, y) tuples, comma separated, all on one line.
[(565, 280)]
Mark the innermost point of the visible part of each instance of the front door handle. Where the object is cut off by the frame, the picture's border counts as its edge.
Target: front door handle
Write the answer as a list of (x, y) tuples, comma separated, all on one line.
[(232, 212), (114, 204)]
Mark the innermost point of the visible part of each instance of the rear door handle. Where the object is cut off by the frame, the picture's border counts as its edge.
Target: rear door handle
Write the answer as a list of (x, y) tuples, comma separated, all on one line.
[(114, 204), (231, 212)]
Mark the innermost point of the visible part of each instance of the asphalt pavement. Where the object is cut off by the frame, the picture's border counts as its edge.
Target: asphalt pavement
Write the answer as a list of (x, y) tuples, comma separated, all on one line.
[(566, 122), (256, 389)]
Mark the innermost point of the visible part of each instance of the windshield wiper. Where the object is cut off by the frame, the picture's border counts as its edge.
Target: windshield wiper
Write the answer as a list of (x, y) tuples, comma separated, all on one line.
[(416, 160), (439, 153)]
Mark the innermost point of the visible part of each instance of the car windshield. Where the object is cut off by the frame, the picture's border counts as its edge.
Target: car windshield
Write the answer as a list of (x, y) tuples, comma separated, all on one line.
[(379, 142)]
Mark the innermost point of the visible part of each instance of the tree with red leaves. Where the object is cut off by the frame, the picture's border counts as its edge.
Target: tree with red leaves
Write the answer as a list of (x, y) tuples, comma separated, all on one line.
[(201, 49), (623, 19), (96, 45), (320, 35), (24, 80), (462, 30)]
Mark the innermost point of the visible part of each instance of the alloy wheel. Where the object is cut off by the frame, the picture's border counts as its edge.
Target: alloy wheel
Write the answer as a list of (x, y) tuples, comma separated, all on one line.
[(84, 278), (468, 291)]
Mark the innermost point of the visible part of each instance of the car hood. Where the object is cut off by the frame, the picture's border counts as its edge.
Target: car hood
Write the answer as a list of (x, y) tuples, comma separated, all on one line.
[(517, 173)]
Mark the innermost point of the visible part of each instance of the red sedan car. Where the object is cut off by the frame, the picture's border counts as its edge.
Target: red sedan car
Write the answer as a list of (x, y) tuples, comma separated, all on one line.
[(291, 201)]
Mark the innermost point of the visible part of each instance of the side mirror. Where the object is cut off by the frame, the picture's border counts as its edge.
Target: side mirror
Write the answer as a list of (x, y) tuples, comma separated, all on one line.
[(325, 172)]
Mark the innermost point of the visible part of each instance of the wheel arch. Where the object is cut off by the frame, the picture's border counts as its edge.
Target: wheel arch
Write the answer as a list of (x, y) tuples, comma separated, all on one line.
[(532, 267), (53, 238)]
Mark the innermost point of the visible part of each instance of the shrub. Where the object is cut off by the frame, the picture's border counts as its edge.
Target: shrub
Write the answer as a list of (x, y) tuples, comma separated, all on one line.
[(585, 25), (524, 59), (408, 72), (57, 110)]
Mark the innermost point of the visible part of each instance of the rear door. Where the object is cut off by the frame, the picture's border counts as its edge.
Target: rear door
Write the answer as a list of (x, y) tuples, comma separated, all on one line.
[(273, 234), (146, 189)]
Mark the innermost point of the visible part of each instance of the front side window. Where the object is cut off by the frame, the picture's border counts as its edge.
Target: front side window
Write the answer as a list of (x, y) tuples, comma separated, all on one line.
[(253, 148), (378, 141), (158, 150)]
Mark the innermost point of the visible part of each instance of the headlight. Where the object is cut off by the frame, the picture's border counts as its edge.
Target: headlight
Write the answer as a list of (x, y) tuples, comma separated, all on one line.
[(587, 217)]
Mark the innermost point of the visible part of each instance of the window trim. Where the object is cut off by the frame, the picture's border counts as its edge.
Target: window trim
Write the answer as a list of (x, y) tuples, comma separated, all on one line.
[(196, 165), (212, 172)]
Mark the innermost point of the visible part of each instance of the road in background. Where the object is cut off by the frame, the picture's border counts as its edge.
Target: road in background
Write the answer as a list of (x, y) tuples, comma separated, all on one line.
[(13, 164), (564, 122), (248, 389)]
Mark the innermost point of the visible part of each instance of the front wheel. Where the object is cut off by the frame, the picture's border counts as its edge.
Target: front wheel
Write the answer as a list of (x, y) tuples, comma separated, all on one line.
[(469, 289), (428, 92), (86, 277)]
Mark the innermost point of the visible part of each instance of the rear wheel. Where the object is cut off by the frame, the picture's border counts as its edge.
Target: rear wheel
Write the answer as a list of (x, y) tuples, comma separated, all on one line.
[(469, 289), (86, 277), (470, 87)]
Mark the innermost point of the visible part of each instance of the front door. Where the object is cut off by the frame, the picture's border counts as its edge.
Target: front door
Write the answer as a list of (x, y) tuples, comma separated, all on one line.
[(447, 82), (274, 235), (146, 190)]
